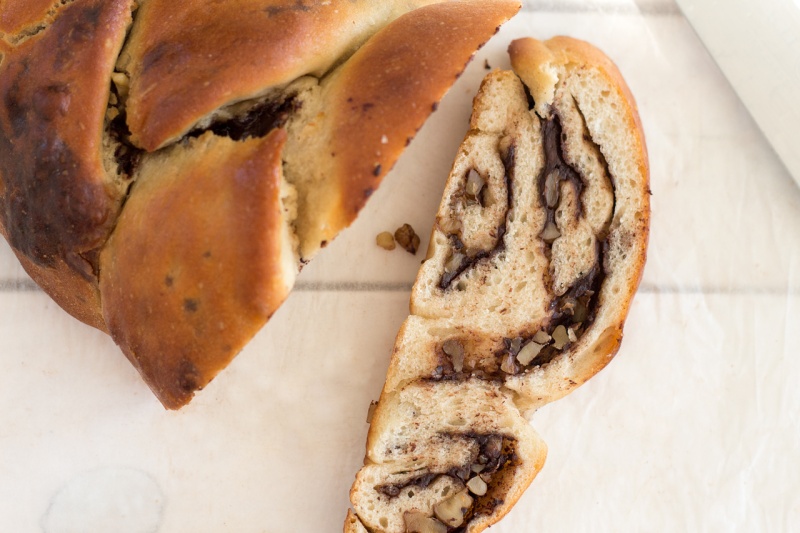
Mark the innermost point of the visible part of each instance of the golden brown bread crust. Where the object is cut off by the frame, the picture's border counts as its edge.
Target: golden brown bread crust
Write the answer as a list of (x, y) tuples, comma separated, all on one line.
[(181, 317), (371, 90), (245, 46), (17, 16), (352, 524), (68, 289), (68, 161), (448, 38), (58, 205)]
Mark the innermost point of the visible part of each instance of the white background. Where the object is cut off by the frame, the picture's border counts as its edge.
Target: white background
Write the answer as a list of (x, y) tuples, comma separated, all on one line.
[(693, 427)]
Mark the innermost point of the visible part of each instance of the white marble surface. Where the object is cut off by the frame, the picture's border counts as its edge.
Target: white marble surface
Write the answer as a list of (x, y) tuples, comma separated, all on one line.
[(693, 427)]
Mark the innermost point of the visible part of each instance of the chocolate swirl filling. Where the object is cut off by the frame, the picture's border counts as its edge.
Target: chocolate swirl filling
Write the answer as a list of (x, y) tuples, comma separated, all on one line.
[(461, 260), (495, 455), (571, 313)]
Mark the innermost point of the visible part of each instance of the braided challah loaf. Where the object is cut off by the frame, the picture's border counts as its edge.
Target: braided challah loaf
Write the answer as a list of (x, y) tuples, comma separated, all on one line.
[(538, 248), (166, 167)]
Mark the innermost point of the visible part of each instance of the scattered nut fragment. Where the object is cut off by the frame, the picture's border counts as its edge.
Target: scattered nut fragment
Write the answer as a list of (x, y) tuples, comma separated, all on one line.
[(477, 486), (385, 240), (474, 185), (560, 337), (515, 345), (452, 510), (112, 113), (571, 335), (509, 365), (541, 337), (551, 189), (550, 232), (493, 447), (122, 83), (455, 350), (478, 468), (407, 238), (529, 352), (454, 262), (417, 522)]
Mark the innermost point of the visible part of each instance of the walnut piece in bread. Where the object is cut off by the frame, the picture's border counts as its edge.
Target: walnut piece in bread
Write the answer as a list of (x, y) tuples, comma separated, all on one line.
[(538, 248), (167, 167)]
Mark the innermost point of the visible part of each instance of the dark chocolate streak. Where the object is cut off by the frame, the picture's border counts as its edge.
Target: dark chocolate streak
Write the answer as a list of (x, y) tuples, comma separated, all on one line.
[(528, 97), (509, 164), (584, 292), (126, 154), (257, 122), (577, 307), (445, 371), (393, 490), (495, 453), (553, 140)]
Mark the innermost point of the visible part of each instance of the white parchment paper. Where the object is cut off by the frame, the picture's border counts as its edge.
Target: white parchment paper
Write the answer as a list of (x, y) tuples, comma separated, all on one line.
[(693, 427)]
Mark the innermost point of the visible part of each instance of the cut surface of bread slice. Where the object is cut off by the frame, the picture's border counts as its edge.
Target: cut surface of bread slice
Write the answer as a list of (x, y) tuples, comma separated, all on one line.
[(537, 251), (111, 114)]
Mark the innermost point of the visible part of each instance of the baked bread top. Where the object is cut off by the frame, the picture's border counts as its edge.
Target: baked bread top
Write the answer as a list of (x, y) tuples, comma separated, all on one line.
[(96, 94)]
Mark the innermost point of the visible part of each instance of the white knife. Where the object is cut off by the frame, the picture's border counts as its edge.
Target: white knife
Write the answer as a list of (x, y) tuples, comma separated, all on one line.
[(756, 43)]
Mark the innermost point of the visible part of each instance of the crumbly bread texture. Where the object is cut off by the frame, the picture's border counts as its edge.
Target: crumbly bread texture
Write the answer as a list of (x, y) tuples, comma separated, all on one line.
[(166, 168), (538, 248)]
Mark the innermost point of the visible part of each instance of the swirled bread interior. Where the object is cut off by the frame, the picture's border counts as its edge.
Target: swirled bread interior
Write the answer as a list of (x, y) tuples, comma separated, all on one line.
[(537, 250)]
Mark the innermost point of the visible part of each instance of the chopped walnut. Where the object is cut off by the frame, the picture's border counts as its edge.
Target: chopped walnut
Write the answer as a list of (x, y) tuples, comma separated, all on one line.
[(477, 486), (417, 522), (385, 240), (407, 238), (474, 186), (529, 352), (509, 366), (541, 337), (452, 510), (550, 233), (560, 337), (455, 350)]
